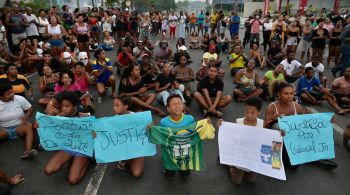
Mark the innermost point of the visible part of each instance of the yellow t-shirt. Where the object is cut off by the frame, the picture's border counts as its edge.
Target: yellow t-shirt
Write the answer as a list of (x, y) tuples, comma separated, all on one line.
[(239, 63), (213, 18)]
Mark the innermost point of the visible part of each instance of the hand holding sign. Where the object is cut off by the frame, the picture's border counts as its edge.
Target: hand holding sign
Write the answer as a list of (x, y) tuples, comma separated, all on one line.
[(309, 137)]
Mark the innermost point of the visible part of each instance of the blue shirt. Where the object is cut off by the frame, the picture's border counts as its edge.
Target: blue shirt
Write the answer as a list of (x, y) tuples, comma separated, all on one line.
[(103, 78), (200, 19), (235, 20), (308, 85), (184, 121)]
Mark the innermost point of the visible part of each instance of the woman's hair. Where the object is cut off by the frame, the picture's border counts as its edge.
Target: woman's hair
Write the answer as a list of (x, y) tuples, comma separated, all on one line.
[(181, 54), (98, 52), (69, 73), (127, 72), (278, 86), (124, 99), (79, 64), (69, 96), (7, 67), (4, 87)]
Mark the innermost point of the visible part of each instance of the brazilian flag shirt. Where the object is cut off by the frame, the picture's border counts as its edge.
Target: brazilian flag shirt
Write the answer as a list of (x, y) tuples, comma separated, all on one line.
[(182, 146)]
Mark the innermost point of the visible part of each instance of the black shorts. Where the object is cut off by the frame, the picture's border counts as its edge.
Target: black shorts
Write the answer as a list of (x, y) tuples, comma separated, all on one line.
[(340, 96), (317, 95), (82, 38)]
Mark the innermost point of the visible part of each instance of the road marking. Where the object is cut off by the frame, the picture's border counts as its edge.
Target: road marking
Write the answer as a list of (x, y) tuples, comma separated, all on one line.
[(336, 127), (95, 180)]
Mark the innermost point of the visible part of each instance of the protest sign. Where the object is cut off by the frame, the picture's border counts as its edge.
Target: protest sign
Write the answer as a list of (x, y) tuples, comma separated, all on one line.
[(122, 137), (309, 137), (64, 133), (252, 149)]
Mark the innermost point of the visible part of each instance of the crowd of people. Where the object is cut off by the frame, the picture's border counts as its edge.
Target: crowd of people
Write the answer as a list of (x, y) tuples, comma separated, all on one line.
[(57, 45)]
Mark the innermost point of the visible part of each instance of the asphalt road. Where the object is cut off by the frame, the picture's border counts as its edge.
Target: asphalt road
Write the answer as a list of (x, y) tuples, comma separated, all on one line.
[(308, 179)]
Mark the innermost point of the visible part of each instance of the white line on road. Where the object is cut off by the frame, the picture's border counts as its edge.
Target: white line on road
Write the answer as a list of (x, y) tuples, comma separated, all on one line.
[(336, 127), (95, 180)]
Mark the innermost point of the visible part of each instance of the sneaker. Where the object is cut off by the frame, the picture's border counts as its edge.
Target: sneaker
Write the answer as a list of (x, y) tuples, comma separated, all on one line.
[(99, 100), (29, 154)]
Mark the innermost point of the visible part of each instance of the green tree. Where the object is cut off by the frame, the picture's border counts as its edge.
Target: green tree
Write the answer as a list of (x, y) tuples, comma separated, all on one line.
[(36, 5)]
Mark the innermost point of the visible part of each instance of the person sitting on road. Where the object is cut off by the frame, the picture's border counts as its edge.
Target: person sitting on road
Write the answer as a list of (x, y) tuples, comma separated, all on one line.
[(194, 41), (270, 77), (312, 91), (124, 59), (203, 71), (286, 106), (252, 110), (341, 89), (318, 68), (210, 94), (51, 61), (275, 55), (148, 71), (166, 85), (82, 78), (15, 112), (78, 162), (182, 49), (184, 75), (237, 60), (255, 53), (68, 60), (47, 84), (223, 43), (121, 105), (211, 55), (164, 54), (140, 50), (103, 71), (19, 82), (247, 81), (293, 69), (131, 85)]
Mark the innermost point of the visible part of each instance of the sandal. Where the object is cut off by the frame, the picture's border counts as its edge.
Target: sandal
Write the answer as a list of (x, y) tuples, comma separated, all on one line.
[(219, 114), (122, 165), (161, 114)]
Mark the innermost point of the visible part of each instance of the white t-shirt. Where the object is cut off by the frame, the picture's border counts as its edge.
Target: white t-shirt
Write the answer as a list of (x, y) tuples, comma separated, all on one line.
[(319, 68), (289, 68), (12, 112), (44, 22), (182, 19), (267, 26), (173, 20), (32, 29)]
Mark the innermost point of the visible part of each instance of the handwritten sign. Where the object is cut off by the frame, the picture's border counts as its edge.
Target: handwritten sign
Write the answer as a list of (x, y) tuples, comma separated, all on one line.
[(252, 149), (309, 137), (122, 137), (64, 133)]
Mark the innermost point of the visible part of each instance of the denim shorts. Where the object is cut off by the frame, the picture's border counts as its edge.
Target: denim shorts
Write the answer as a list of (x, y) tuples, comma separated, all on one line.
[(57, 43), (11, 131), (75, 154)]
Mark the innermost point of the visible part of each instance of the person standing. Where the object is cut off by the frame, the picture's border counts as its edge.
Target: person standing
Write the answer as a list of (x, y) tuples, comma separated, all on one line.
[(17, 23), (172, 25), (182, 25), (200, 22), (267, 26), (31, 29), (254, 32), (235, 21), (213, 20)]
